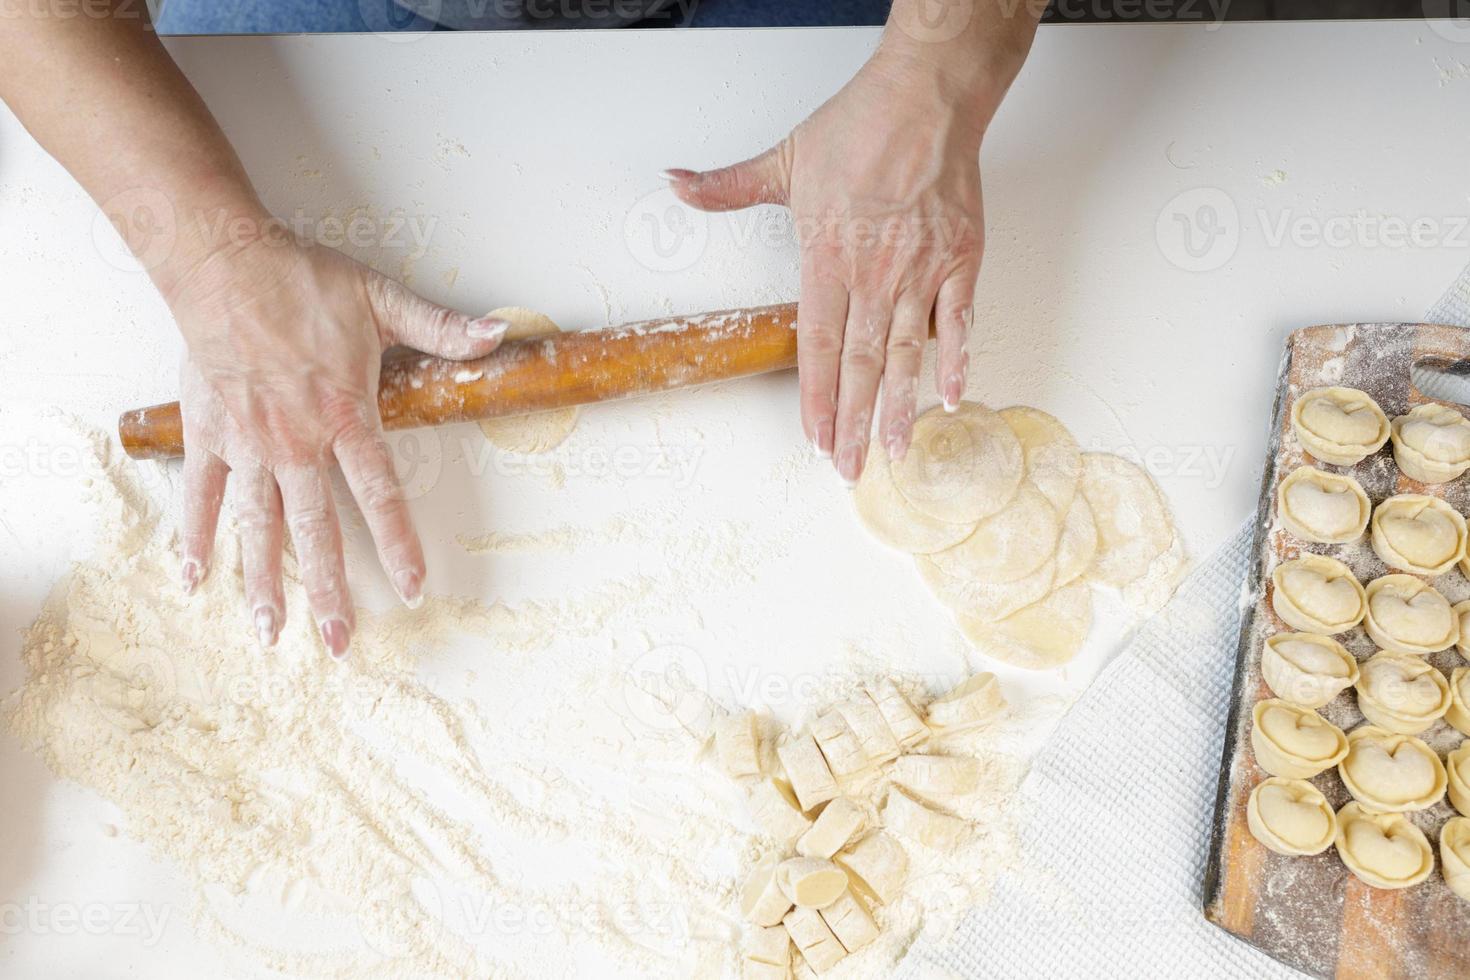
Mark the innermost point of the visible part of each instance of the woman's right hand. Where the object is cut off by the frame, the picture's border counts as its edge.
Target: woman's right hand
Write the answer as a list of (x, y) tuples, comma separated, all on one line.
[(280, 382)]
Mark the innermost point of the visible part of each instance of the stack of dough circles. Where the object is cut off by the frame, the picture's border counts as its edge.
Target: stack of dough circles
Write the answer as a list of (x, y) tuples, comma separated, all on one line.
[(1405, 615), (1328, 508), (1462, 618), (1384, 850), (1316, 594), (1458, 714), (1401, 692), (1457, 770), (1291, 817), (542, 431), (1391, 773), (1418, 534), (1341, 426), (1454, 855), (1294, 742), (1307, 669), (1432, 443), (960, 466), (1010, 522), (889, 516)]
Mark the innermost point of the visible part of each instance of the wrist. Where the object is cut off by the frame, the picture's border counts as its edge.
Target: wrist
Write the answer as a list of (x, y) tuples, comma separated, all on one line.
[(969, 57), (209, 224)]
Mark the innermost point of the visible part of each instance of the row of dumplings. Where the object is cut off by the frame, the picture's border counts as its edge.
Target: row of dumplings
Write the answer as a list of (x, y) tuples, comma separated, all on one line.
[(1387, 773), (1344, 426)]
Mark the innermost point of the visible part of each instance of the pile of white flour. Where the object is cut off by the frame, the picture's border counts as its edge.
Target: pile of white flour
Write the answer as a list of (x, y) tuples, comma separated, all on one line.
[(368, 819)]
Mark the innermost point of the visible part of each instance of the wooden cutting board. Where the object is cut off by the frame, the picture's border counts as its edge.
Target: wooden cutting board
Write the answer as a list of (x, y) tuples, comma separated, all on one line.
[(1311, 912)]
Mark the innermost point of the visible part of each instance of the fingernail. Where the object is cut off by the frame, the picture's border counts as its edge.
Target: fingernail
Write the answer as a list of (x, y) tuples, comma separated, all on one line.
[(487, 328), (898, 441), (968, 317), (410, 589), (825, 438), (192, 574), (676, 173), (954, 387), (265, 627), (334, 635), (850, 463)]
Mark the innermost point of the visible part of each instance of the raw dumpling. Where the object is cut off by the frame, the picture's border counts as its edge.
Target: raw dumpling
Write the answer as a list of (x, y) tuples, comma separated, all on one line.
[(1457, 768), (1407, 616), (1462, 616), (1294, 742), (1316, 594), (1340, 426), (1454, 855), (1327, 508), (1291, 817), (1307, 669), (892, 519), (1401, 692), (961, 466), (1419, 534), (1432, 443), (1459, 713), (1383, 849), (1391, 773)]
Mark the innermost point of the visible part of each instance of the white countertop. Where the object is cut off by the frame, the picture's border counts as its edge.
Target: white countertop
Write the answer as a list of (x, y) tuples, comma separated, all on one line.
[(530, 159)]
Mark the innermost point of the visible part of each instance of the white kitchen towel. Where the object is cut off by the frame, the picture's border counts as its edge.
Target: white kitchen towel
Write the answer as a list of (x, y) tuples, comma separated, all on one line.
[(1116, 811), (1117, 807)]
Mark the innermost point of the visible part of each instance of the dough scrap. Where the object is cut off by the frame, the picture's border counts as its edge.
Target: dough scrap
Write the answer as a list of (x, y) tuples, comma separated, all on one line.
[(1053, 460), (889, 516), (1008, 545), (1041, 636), (542, 431), (1133, 525), (960, 466)]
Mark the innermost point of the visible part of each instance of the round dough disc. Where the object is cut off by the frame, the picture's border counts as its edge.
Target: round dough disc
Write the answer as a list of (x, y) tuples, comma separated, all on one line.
[(1006, 546), (979, 600), (961, 466), (1053, 461), (1133, 526), (892, 519), (542, 431), (1041, 636), (1077, 546)]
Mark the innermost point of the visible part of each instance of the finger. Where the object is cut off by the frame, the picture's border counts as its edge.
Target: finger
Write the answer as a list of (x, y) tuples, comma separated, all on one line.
[(759, 180), (205, 475), (954, 313), (306, 497), (368, 467), (902, 359), (863, 348), (820, 316), (262, 536), (405, 317)]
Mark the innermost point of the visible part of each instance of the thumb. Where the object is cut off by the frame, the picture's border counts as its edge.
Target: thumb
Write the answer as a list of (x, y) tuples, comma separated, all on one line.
[(409, 319), (759, 180)]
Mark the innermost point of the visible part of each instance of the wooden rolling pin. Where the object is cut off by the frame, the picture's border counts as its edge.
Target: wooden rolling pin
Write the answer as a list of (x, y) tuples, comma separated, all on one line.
[(524, 376)]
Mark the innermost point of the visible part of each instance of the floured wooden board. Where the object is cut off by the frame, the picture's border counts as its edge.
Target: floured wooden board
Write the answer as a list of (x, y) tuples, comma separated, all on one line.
[(1311, 912)]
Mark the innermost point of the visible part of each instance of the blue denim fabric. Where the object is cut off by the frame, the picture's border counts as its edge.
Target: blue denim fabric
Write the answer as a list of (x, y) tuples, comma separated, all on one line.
[(334, 16)]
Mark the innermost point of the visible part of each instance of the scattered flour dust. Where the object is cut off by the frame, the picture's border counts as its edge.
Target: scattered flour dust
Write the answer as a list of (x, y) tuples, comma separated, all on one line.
[(357, 821)]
